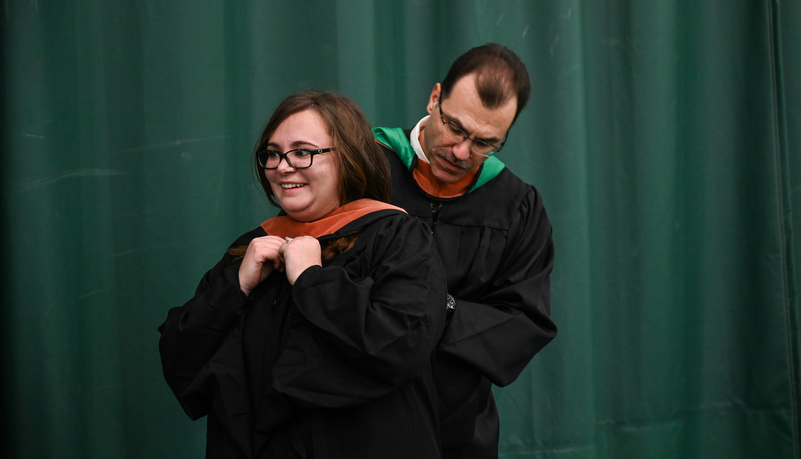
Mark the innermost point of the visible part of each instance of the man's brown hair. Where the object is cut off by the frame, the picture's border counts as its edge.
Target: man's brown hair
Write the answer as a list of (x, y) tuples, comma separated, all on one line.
[(500, 75)]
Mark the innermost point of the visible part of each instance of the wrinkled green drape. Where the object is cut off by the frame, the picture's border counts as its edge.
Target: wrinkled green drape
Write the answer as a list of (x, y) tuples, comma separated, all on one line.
[(665, 137)]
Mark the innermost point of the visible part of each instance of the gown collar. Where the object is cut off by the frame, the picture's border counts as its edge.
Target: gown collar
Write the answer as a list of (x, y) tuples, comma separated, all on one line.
[(285, 226)]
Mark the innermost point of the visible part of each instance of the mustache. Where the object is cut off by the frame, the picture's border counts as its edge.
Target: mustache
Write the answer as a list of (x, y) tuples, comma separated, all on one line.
[(455, 161)]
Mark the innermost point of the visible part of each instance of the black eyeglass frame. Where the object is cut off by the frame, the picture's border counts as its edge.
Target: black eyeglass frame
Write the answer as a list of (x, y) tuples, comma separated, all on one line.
[(461, 132), (285, 157)]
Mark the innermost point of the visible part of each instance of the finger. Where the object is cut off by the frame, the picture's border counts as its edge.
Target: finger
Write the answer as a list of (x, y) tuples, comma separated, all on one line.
[(282, 251)]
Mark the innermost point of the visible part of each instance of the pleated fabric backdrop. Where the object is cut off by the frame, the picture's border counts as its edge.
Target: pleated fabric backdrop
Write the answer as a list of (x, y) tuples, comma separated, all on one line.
[(664, 136)]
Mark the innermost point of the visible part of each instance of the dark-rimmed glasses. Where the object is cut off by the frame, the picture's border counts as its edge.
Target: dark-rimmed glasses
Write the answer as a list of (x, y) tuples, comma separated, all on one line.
[(300, 158), (456, 134)]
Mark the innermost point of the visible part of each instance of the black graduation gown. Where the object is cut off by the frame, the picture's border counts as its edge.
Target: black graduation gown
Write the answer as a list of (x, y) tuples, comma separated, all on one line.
[(338, 365), (497, 248)]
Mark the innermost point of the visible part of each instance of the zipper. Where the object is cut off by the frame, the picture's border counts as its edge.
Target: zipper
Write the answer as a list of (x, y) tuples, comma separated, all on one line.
[(436, 207)]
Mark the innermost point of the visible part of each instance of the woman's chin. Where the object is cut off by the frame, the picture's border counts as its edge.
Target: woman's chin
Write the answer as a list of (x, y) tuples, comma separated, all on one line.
[(303, 214)]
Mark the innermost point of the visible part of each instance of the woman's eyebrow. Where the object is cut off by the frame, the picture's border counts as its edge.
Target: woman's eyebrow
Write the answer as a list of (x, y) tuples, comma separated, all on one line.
[(294, 145)]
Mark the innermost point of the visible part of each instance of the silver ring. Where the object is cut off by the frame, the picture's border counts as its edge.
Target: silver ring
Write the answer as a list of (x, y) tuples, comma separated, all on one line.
[(287, 239)]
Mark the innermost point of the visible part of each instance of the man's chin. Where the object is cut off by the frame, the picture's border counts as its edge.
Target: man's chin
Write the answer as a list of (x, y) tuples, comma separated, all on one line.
[(447, 176)]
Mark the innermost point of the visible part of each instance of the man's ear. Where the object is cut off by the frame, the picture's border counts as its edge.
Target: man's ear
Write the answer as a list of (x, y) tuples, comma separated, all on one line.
[(433, 100)]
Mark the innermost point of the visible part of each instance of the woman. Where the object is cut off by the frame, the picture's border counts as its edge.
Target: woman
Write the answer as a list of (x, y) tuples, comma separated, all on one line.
[(313, 336)]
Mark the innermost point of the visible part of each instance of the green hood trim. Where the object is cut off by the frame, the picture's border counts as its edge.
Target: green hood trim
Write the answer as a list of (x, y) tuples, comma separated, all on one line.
[(395, 139)]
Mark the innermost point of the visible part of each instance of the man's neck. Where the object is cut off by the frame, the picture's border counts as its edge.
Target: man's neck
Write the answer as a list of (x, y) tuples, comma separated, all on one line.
[(418, 140)]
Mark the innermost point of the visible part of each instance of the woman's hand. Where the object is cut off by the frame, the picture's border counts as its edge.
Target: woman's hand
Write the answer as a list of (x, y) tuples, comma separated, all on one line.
[(261, 259), (299, 254)]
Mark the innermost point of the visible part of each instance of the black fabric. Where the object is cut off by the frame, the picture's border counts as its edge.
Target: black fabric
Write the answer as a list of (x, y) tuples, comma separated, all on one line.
[(497, 248), (338, 365)]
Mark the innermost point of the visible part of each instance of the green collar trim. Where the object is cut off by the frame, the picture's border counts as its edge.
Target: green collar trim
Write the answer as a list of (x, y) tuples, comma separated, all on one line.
[(395, 139)]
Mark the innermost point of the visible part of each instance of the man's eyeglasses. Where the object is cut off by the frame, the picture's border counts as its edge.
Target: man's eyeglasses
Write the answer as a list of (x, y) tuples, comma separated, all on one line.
[(456, 134), (297, 159)]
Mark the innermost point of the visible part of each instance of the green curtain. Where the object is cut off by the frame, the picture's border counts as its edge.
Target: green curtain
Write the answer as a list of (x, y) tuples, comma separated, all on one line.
[(663, 135)]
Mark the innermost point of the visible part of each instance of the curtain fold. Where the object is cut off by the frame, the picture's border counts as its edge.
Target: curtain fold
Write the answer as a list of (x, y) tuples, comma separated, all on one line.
[(665, 138), (786, 40)]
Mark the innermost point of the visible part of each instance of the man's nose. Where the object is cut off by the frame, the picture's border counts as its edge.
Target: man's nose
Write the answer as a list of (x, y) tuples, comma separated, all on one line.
[(462, 149)]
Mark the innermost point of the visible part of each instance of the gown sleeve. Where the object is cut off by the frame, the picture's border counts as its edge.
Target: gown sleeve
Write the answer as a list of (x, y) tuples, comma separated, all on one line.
[(366, 327), (497, 333), (193, 334)]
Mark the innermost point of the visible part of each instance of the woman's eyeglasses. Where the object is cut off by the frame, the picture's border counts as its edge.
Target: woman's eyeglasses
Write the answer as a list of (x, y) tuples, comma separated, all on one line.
[(297, 159)]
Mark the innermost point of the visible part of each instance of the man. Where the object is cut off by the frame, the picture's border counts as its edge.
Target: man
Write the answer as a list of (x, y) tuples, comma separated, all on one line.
[(492, 234)]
